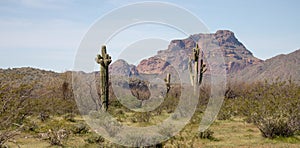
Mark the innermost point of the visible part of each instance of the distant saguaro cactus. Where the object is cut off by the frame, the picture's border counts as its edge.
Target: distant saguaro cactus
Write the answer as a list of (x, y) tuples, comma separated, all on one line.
[(104, 60), (168, 82), (196, 76)]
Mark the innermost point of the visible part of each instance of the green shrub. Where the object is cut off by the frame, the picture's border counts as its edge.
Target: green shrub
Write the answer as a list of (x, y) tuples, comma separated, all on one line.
[(273, 107)]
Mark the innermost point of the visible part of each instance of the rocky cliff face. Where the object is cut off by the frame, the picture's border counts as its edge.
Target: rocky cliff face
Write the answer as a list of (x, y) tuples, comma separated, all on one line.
[(152, 65), (122, 68), (236, 56), (240, 64)]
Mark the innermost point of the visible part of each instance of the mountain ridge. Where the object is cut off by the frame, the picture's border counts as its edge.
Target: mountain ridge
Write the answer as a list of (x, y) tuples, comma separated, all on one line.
[(240, 64)]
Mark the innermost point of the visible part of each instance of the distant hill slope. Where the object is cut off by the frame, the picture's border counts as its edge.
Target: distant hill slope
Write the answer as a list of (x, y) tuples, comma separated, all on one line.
[(282, 67), (45, 83)]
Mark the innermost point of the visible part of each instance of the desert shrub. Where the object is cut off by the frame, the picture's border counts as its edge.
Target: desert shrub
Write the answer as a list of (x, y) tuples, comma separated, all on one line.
[(138, 140), (235, 90), (119, 112), (278, 112), (14, 108), (141, 117), (169, 105), (31, 127), (69, 117), (276, 126), (206, 134), (43, 116), (229, 109), (80, 128), (57, 137), (274, 107), (95, 138), (7, 136), (139, 89)]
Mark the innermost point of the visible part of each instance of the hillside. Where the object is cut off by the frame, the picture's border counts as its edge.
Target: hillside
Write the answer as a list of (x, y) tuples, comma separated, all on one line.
[(282, 67)]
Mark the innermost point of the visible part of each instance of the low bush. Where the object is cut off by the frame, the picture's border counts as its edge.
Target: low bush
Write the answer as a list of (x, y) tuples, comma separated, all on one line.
[(57, 137), (274, 107), (206, 134), (80, 128), (69, 117), (95, 138)]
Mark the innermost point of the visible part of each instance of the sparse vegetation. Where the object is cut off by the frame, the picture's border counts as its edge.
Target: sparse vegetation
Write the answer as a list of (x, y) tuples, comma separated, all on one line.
[(274, 107), (250, 112)]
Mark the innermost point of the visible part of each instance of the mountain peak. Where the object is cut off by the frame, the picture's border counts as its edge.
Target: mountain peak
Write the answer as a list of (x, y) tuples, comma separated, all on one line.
[(226, 38), (236, 56)]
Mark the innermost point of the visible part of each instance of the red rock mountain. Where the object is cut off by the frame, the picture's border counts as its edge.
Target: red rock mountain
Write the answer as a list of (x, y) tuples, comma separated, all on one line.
[(235, 54), (240, 64)]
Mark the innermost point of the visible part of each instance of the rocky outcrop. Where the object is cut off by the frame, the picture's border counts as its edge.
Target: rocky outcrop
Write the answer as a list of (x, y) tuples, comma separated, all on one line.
[(235, 54), (122, 68), (152, 65)]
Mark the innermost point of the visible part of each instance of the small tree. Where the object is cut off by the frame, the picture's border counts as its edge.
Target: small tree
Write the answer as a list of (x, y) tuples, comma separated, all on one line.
[(14, 108)]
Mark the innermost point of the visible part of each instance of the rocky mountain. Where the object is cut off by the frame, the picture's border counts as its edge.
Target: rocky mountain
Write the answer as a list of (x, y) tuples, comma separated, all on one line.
[(122, 68), (240, 64), (282, 67), (236, 56)]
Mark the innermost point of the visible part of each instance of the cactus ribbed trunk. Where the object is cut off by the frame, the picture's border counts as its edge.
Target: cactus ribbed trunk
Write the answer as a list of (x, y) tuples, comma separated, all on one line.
[(168, 82), (196, 76), (104, 87), (202, 70), (104, 60), (196, 72)]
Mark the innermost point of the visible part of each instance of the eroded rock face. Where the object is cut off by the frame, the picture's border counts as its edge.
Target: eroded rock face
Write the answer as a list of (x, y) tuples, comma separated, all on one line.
[(122, 68), (236, 56), (152, 65)]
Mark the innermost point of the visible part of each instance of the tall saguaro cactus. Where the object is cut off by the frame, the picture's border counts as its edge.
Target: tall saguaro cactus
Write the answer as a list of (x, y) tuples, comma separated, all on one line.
[(104, 60), (196, 76), (168, 82)]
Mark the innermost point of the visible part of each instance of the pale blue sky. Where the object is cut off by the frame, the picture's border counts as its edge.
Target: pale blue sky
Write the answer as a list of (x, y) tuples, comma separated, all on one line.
[(46, 33)]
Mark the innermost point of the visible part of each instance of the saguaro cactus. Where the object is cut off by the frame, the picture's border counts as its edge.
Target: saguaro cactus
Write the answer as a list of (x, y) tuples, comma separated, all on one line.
[(196, 76), (168, 82), (104, 60)]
